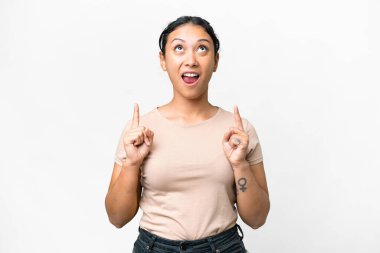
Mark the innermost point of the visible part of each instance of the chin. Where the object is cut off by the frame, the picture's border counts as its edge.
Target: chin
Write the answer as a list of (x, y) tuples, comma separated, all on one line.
[(194, 94)]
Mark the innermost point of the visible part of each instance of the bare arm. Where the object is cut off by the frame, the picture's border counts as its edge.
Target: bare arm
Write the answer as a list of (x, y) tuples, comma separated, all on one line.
[(252, 194), (251, 187), (124, 194)]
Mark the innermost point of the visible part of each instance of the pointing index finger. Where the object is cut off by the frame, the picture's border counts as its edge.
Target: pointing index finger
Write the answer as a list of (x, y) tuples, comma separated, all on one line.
[(136, 116), (238, 120)]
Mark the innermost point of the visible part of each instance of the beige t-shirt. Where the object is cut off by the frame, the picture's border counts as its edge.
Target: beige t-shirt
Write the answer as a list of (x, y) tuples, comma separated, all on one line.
[(188, 183)]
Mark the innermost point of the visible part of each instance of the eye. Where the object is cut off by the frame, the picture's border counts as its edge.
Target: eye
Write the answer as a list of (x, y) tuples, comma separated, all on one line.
[(204, 48), (178, 46)]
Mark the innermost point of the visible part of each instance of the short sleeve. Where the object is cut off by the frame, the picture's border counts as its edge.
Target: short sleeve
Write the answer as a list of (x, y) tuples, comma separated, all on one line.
[(254, 152), (120, 151)]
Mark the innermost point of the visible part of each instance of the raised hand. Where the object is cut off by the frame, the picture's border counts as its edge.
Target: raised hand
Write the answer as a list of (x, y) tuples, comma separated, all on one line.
[(235, 141), (137, 140)]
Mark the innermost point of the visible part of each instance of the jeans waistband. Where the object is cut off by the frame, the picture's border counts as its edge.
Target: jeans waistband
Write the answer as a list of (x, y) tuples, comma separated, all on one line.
[(152, 240)]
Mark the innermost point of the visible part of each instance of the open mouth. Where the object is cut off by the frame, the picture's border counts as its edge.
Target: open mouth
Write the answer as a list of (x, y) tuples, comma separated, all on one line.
[(190, 78)]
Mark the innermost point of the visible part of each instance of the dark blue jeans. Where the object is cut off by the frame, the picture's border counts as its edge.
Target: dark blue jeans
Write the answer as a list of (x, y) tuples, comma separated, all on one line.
[(228, 241)]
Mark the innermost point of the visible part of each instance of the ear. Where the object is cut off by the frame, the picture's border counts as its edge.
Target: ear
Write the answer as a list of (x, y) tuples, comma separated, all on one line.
[(216, 61), (162, 61)]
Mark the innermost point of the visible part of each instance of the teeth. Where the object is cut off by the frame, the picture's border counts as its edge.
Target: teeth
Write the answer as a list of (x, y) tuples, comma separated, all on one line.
[(190, 74)]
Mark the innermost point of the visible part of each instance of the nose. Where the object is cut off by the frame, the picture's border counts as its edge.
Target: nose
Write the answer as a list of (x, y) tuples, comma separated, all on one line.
[(191, 60)]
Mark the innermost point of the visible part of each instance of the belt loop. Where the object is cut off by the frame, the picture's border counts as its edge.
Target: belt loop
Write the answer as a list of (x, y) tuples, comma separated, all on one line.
[(241, 231), (151, 243), (211, 244)]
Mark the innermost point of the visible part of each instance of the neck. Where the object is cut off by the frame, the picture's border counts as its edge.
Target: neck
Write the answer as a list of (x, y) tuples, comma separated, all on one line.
[(191, 109)]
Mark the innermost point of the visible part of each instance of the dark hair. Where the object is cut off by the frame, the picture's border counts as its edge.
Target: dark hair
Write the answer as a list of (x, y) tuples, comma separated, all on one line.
[(184, 20)]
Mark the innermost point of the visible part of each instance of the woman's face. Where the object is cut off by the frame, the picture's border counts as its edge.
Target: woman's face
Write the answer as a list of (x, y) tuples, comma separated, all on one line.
[(189, 60)]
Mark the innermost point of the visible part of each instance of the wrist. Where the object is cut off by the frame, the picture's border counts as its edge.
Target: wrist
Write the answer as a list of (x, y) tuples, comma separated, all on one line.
[(129, 165), (242, 166), (131, 173), (128, 162)]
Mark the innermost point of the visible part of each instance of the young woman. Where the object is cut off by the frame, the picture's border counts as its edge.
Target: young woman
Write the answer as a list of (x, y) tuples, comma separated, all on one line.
[(193, 160)]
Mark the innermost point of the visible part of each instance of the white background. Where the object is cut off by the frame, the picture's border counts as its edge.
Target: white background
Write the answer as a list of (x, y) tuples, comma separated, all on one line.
[(305, 73)]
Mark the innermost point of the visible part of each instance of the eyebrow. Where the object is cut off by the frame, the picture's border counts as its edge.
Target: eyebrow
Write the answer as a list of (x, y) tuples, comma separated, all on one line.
[(184, 40)]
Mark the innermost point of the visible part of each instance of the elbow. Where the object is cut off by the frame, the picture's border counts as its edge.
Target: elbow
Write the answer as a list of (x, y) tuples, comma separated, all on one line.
[(117, 224), (257, 225), (117, 220), (115, 217), (260, 221), (254, 223)]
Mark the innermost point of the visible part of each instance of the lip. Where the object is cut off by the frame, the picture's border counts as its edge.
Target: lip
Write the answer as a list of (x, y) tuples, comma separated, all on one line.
[(190, 84), (190, 72)]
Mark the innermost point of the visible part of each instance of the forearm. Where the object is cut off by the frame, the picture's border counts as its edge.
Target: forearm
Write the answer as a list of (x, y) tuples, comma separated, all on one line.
[(252, 201), (122, 200)]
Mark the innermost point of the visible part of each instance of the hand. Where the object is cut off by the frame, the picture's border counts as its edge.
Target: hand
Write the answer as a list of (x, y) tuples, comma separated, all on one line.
[(235, 142), (137, 141)]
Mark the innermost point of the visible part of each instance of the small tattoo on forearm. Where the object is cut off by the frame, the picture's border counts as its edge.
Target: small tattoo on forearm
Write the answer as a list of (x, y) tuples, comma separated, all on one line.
[(242, 182)]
